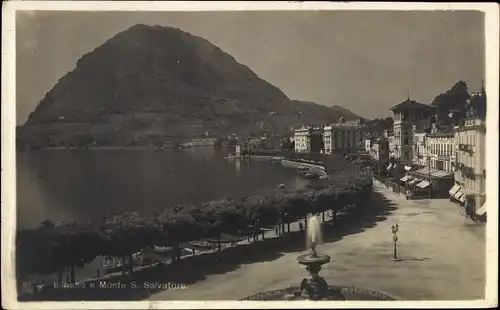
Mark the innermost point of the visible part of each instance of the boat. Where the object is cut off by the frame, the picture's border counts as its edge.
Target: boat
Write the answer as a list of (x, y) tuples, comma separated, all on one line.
[(276, 159), (312, 175), (302, 168), (112, 264), (162, 249), (201, 244)]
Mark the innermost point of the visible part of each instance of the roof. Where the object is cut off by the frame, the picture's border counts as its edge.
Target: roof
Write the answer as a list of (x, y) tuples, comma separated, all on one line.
[(437, 174), (411, 104), (441, 134)]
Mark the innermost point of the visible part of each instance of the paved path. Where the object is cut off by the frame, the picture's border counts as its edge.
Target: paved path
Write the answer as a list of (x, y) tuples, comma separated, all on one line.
[(442, 257)]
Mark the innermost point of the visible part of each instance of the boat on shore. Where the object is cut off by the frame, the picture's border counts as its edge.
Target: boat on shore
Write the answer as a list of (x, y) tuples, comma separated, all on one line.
[(113, 264), (302, 168), (276, 159)]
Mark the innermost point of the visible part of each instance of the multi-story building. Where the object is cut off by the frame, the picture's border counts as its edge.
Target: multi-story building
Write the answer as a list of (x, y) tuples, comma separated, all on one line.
[(379, 150), (440, 148), (419, 148), (271, 143), (308, 139), (249, 145), (202, 142), (405, 115), (343, 136), (389, 135), (470, 156)]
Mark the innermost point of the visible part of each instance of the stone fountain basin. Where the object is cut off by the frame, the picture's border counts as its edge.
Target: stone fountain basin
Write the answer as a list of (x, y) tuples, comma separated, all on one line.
[(340, 293), (310, 258)]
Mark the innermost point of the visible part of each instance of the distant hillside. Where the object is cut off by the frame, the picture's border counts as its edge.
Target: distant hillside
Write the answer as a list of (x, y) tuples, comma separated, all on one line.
[(314, 113), (150, 81)]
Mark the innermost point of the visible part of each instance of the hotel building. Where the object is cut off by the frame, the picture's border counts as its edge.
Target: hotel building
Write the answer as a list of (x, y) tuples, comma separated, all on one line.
[(308, 139), (343, 136), (440, 149), (470, 156), (406, 114)]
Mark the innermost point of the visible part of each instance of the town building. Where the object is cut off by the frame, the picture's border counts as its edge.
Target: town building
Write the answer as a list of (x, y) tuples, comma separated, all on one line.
[(470, 149), (419, 148), (389, 135), (308, 139), (204, 142), (405, 114), (369, 138), (343, 136), (440, 150), (248, 145), (379, 152), (271, 143)]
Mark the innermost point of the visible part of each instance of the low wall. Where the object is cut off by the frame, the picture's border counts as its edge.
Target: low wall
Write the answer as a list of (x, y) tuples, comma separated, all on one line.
[(295, 164)]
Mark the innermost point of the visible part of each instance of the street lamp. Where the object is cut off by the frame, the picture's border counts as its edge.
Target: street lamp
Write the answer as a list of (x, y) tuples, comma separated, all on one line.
[(429, 171), (394, 229)]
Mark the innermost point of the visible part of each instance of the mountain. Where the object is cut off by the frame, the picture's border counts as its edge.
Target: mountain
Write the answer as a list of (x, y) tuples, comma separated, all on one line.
[(314, 113), (152, 81)]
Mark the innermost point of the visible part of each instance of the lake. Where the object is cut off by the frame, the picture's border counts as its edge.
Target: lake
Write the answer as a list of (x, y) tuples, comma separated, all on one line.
[(71, 185)]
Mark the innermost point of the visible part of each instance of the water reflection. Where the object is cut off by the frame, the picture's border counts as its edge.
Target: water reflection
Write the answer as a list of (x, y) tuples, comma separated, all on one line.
[(75, 185)]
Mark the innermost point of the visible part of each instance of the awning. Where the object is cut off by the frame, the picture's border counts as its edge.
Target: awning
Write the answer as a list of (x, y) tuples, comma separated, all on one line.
[(423, 184), (458, 195), (454, 189), (404, 179), (482, 210), (414, 181), (433, 173)]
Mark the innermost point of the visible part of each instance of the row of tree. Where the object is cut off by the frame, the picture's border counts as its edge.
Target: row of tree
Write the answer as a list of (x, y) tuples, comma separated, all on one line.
[(54, 249)]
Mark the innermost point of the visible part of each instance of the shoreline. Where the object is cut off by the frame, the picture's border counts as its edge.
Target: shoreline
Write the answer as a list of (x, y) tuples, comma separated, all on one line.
[(113, 148), (294, 164)]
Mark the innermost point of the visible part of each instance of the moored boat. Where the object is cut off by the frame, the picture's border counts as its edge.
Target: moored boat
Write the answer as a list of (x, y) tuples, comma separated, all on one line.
[(112, 264)]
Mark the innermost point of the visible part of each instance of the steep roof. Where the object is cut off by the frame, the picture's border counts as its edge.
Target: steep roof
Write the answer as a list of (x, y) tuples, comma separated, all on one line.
[(411, 104)]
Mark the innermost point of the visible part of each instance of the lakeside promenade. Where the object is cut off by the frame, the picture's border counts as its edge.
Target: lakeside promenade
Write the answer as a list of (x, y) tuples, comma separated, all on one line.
[(442, 257)]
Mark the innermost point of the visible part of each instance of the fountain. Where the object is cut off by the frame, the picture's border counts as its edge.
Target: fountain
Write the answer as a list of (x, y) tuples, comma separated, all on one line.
[(315, 287)]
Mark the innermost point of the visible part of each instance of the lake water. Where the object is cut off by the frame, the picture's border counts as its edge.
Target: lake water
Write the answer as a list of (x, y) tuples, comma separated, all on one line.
[(66, 185)]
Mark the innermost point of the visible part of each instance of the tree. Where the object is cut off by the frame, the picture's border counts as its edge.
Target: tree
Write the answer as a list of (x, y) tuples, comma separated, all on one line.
[(454, 99), (128, 233)]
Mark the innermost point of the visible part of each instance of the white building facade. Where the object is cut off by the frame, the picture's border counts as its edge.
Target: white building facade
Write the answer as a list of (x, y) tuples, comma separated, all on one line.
[(343, 137), (302, 139), (405, 114), (470, 156), (308, 139), (440, 149), (419, 149)]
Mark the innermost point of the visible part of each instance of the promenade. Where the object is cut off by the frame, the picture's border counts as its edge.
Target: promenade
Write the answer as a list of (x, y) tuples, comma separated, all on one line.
[(442, 256)]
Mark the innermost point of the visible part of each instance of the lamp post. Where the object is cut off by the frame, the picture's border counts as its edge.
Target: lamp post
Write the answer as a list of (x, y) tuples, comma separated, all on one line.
[(394, 229), (429, 172)]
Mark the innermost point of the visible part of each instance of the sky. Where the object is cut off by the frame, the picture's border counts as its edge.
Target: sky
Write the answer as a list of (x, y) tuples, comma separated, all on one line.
[(365, 61)]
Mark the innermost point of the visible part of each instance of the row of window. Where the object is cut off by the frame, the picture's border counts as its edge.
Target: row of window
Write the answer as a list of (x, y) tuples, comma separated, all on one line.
[(442, 149), (467, 138)]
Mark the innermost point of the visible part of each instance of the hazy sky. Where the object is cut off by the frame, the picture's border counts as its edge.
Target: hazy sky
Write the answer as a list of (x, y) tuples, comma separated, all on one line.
[(365, 61)]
